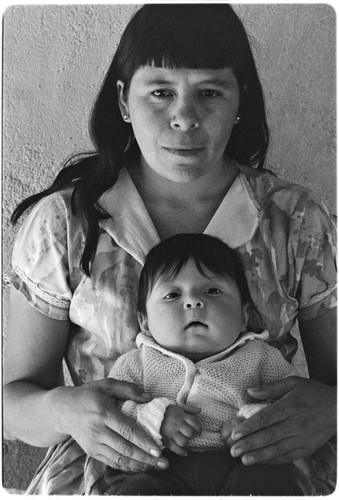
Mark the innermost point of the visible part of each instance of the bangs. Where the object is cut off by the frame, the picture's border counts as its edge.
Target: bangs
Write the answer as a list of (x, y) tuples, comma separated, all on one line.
[(175, 47), (167, 269), (182, 36)]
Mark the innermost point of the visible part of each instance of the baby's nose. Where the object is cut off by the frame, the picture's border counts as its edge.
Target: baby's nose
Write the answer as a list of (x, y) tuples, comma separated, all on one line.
[(194, 304)]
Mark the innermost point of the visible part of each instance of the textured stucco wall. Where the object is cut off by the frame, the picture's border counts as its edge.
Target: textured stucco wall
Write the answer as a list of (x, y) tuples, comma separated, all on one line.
[(54, 60)]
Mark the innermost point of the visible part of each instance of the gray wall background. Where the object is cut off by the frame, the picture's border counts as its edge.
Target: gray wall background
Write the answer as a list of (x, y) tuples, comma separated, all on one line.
[(55, 58)]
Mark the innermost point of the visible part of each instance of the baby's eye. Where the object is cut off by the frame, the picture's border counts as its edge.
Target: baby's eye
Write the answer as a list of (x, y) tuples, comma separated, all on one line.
[(161, 93), (213, 291), (172, 295)]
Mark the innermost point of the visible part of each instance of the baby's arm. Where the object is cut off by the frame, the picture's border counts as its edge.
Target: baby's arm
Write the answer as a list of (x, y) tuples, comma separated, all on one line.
[(179, 426)]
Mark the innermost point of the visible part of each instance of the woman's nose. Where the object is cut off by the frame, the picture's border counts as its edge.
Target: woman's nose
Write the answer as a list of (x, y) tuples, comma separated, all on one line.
[(193, 304), (184, 117)]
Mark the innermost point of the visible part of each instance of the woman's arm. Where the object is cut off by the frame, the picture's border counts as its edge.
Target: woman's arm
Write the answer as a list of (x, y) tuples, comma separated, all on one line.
[(319, 338), (33, 354), (303, 417), (42, 412)]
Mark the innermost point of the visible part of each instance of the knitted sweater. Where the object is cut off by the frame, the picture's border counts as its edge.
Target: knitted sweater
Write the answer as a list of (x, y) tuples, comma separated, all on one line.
[(216, 384)]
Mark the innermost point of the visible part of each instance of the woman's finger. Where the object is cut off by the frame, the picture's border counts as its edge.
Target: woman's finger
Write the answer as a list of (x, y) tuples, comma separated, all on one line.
[(273, 390), (129, 455), (136, 443), (284, 451), (117, 461), (264, 439), (272, 414)]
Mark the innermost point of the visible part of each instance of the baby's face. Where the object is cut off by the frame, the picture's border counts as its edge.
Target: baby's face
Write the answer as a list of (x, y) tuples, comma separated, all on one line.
[(193, 314)]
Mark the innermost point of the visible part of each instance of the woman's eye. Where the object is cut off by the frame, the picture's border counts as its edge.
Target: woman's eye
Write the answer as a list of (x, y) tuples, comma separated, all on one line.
[(213, 291), (161, 93), (172, 295), (210, 93)]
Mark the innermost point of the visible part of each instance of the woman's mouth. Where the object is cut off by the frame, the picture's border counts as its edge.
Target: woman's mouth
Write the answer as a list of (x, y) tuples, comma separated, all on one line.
[(185, 151)]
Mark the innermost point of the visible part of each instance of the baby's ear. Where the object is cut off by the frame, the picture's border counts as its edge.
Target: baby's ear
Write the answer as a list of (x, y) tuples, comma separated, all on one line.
[(143, 323)]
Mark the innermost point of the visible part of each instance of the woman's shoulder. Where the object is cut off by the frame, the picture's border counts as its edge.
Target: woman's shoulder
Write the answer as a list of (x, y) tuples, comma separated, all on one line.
[(50, 223), (267, 181), (60, 201), (270, 190), (54, 211)]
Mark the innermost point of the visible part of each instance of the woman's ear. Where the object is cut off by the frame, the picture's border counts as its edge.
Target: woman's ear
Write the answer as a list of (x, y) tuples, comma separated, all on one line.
[(143, 323), (122, 100)]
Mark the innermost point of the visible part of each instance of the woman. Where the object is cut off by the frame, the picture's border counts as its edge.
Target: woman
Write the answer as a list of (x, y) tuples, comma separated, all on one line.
[(179, 123)]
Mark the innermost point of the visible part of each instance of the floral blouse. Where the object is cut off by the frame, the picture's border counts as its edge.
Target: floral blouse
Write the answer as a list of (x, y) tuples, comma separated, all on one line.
[(283, 233)]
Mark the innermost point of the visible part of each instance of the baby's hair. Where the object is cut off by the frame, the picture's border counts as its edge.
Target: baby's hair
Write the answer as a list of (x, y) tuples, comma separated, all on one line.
[(165, 260)]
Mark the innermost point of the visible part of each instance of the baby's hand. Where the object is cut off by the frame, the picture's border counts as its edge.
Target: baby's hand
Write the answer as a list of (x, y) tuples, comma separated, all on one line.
[(179, 426)]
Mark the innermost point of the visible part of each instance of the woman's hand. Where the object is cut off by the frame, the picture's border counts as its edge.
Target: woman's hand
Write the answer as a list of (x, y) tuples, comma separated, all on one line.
[(88, 413), (179, 426), (301, 420), (42, 412)]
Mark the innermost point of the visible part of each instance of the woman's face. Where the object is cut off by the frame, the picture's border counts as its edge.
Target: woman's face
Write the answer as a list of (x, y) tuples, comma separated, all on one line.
[(182, 118)]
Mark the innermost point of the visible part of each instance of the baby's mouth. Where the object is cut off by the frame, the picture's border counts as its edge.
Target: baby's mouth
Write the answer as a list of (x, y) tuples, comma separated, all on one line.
[(195, 324)]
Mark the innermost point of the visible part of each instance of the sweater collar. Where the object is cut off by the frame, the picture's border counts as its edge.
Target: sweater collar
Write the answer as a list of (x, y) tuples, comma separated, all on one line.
[(146, 340), (131, 227)]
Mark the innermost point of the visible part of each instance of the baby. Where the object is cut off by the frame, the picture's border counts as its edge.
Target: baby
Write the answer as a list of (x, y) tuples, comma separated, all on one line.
[(197, 358)]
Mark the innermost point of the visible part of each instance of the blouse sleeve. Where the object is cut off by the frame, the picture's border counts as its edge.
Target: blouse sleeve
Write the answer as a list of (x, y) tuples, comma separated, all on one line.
[(40, 258), (316, 261)]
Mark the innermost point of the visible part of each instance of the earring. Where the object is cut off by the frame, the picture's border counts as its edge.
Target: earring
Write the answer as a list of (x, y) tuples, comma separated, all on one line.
[(237, 120), (125, 117)]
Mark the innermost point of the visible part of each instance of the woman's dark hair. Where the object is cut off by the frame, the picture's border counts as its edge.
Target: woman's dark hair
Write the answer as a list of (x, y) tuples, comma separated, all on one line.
[(209, 36), (164, 261)]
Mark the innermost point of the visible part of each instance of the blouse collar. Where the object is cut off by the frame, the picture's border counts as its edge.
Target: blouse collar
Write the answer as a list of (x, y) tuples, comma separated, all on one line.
[(237, 217), (131, 227)]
